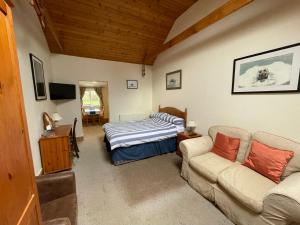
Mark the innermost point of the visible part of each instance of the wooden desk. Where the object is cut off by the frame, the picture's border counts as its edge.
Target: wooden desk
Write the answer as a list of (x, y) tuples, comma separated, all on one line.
[(55, 150)]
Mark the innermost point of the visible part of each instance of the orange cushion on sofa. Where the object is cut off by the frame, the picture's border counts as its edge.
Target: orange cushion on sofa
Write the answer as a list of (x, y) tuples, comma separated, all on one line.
[(268, 161), (226, 147)]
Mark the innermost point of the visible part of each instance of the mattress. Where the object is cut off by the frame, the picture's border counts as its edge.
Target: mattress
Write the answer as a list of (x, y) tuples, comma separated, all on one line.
[(125, 134)]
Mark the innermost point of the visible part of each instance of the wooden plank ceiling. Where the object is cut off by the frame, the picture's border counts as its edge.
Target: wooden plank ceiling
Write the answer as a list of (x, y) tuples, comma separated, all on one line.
[(118, 30)]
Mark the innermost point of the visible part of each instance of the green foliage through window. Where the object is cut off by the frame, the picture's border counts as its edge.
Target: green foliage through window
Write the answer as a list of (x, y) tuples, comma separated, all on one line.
[(90, 98)]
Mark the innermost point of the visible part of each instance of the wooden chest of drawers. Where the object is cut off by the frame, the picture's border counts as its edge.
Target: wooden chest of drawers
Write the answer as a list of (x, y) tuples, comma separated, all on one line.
[(56, 151)]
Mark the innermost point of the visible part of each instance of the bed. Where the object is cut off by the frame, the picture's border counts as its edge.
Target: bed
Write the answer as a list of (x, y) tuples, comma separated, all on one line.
[(134, 140)]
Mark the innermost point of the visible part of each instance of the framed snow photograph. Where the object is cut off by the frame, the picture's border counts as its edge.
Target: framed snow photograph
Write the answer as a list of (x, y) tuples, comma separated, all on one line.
[(272, 71), (173, 80)]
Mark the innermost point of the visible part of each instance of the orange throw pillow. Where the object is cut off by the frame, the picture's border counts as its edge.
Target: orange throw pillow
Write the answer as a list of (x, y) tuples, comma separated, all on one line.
[(268, 161), (226, 147)]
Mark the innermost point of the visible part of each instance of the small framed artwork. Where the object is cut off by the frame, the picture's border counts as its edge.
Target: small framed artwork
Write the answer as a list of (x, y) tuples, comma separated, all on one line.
[(38, 78), (274, 71), (173, 80), (132, 84)]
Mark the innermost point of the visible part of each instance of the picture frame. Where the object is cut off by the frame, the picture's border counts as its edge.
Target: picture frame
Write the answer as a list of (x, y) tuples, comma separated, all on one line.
[(273, 71), (132, 84), (174, 80), (38, 78)]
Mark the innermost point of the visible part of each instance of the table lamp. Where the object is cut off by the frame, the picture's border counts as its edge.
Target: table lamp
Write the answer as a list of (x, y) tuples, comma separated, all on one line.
[(56, 117), (191, 125)]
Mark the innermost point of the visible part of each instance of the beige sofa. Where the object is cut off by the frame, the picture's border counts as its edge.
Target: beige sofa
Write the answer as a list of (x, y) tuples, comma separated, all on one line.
[(244, 196)]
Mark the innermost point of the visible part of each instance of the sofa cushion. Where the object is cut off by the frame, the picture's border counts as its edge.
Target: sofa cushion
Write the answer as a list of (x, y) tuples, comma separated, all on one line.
[(61, 207), (268, 161), (282, 143), (226, 147), (210, 165), (246, 185), (243, 135)]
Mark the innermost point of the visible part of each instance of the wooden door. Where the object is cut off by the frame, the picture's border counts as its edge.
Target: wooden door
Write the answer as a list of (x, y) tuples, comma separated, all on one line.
[(18, 194)]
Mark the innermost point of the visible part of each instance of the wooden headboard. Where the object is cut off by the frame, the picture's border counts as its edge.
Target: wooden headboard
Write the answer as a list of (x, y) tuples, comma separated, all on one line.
[(175, 112)]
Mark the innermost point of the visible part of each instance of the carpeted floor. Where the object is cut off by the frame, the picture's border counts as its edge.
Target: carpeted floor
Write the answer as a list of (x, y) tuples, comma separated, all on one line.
[(146, 192)]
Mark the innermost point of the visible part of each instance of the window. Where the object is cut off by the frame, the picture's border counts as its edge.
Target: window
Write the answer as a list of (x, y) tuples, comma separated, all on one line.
[(90, 99)]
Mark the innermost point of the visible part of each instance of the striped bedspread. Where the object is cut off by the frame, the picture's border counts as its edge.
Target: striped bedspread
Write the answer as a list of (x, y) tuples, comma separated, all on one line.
[(125, 134)]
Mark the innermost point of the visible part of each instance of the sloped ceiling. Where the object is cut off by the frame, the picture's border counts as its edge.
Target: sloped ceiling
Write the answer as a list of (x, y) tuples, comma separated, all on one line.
[(118, 30)]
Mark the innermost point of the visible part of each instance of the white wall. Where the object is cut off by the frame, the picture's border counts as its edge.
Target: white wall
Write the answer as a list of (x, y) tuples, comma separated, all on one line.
[(105, 102), (206, 60), (70, 69), (30, 39)]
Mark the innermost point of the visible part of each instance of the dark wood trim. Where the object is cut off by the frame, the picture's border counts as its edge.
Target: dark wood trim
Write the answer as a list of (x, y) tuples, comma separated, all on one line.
[(257, 54), (46, 22), (10, 3), (228, 8), (3, 8)]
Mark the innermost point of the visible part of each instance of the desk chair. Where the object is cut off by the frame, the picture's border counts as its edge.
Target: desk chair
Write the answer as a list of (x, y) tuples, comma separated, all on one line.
[(74, 140), (85, 117)]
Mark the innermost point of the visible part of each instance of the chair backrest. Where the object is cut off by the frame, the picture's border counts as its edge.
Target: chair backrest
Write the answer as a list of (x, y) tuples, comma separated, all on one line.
[(283, 144), (242, 134), (74, 128)]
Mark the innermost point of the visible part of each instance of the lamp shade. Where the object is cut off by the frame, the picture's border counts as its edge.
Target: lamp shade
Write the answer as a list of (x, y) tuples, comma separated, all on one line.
[(191, 123), (56, 117)]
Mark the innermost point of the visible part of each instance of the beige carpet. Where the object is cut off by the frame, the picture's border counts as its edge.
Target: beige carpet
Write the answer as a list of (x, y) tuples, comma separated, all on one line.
[(146, 192)]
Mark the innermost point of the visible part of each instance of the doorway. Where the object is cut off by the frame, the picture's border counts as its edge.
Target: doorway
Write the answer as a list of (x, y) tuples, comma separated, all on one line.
[(94, 103)]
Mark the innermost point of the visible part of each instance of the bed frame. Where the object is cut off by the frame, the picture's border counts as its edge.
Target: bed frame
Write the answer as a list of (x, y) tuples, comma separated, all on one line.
[(175, 112)]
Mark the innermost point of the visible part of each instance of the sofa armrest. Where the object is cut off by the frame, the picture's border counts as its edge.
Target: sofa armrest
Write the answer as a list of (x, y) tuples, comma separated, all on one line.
[(195, 146), (282, 203), (57, 185)]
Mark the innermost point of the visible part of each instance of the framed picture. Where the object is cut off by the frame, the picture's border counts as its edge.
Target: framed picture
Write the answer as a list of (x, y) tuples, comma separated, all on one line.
[(38, 78), (173, 80), (132, 84), (273, 71)]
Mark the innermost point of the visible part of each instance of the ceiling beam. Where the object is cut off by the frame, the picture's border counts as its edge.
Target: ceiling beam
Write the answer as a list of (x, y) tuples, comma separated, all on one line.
[(3, 8), (228, 8), (46, 21)]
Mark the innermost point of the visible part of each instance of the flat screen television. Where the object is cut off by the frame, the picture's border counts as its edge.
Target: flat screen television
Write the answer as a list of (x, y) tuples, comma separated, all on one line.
[(62, 91)]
